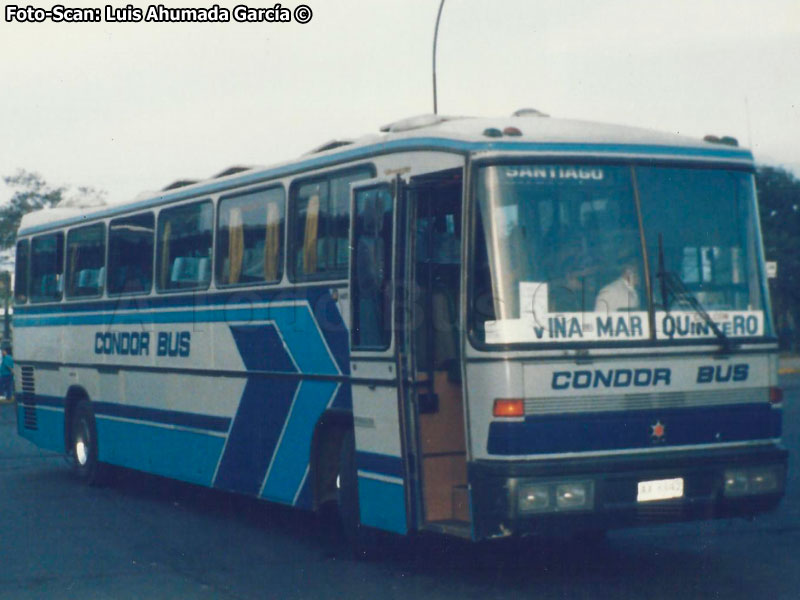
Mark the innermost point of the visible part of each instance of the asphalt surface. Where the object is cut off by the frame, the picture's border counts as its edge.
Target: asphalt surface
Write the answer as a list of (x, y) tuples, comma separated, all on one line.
[(145, 537)]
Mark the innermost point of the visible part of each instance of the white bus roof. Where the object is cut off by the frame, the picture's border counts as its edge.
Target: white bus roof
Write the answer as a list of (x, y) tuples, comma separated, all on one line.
[(538, 134)]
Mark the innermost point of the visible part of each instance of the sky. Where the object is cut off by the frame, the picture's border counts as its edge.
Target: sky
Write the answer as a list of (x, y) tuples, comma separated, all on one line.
[(131, 107)]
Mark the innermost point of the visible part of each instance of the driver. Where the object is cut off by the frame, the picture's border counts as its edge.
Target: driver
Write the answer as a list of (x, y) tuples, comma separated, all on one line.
[(620, 294)]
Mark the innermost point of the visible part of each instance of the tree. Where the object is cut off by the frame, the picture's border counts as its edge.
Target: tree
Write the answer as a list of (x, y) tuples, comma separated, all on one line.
[(779, 204), (33, 193)]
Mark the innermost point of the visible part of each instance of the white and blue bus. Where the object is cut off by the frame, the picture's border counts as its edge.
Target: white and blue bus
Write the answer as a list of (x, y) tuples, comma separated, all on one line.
[(479, 327)]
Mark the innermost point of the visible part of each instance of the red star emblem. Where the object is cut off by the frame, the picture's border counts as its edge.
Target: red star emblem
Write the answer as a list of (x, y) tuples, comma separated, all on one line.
[(658, 431)]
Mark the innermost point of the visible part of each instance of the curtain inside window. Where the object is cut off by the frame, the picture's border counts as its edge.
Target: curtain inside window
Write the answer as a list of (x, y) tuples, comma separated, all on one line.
[(272, 242), (165, 263), (72, 283), (235, 245), (310, 239)]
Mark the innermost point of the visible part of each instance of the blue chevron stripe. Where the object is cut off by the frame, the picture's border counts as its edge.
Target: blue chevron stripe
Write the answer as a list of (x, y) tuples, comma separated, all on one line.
[(262, 410), (291, 458)]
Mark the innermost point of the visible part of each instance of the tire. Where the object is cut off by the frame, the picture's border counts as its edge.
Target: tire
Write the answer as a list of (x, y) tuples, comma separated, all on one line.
[(83, 448), (359, 538)]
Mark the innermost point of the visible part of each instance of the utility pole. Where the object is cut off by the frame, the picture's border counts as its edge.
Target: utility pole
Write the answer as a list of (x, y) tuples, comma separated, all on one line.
[(435, 40)]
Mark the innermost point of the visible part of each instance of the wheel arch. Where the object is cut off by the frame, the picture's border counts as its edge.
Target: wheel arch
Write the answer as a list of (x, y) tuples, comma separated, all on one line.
[(324, 454), (75, 394)]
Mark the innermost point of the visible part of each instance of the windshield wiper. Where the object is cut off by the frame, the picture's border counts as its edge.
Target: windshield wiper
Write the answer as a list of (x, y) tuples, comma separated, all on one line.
[(671, 283)]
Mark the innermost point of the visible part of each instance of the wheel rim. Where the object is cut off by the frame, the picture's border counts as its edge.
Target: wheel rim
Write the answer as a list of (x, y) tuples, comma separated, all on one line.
[(82, 444), (81, 453)]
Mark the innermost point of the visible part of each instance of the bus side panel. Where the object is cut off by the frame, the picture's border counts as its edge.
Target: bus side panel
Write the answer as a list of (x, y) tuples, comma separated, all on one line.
[(40, 418), (48, 431), (381, 477), (246, 429), (186, 455)]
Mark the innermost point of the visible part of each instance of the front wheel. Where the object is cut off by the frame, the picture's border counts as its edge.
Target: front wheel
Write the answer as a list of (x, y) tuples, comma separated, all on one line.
[(83, 444)]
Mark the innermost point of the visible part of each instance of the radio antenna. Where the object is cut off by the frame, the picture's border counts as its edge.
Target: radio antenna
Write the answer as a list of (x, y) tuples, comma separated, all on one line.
[(435, 40)]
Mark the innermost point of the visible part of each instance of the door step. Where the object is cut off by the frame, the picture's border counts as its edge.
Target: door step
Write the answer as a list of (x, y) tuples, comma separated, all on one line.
[(461, 503), (452, 527)]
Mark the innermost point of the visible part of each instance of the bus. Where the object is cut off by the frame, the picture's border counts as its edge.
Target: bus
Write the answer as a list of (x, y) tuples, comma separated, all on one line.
[(481, 327)]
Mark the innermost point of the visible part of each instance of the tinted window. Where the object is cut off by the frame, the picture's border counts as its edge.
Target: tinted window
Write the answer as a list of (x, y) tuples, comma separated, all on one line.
[(554, 240), (21, 273), (130, 254), (86, 257), (184, 247), (372, 269), (250, 238), (47, 267), (320, 222)]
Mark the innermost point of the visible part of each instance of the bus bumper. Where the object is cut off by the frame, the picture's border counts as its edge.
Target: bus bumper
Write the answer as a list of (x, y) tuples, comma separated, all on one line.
[(569, 496)]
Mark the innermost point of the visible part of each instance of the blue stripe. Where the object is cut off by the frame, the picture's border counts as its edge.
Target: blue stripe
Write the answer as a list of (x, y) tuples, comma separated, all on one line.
[(382, 505), (55, 401), (397, 145), (633, 430), (237, 306), (183, 455), (165, 417), (292, 456), (146, 414), (199, 300), (382, 464), (305, 499)]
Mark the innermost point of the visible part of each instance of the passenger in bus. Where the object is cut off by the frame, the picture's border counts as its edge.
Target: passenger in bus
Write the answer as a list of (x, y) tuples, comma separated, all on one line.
[(621, 294), (371, 274)]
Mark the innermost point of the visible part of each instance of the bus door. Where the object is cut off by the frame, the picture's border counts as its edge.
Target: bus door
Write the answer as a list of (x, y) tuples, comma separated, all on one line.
[(385, 486), (436, 400)]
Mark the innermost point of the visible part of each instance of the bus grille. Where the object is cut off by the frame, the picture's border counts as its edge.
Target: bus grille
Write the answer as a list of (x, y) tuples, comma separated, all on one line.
[(644, 401), (28, 398)]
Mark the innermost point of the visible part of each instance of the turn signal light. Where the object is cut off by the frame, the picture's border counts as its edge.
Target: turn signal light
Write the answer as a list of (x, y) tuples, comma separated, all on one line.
[(509, 407), (775, 395)]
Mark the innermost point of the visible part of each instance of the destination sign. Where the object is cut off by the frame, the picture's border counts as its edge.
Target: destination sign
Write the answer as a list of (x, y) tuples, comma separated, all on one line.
[(588, 326)]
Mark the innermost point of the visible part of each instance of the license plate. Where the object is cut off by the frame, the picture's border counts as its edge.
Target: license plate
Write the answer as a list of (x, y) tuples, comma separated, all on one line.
[(660, 489)]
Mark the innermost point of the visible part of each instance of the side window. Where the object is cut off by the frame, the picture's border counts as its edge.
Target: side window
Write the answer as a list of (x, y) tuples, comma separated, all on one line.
[(184, 247), (130, 254), (21, 273), (47, 268), (320, 220), (309, 208), (250, 238), (86, 261), (372, 269)]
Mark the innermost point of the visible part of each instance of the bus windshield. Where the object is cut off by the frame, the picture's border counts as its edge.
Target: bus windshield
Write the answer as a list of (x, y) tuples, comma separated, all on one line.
[(563, 255)]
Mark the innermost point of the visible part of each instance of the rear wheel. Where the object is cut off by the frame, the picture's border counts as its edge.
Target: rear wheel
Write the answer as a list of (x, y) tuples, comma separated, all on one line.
[(83, 444), (347, 486), (359, 538)]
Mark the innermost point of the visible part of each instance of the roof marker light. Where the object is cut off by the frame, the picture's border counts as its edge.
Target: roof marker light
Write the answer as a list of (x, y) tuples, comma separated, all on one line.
[(492, 132), (514, 131)]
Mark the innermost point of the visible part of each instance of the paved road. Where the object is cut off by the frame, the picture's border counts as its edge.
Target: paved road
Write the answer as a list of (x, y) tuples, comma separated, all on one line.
[(144, 537)]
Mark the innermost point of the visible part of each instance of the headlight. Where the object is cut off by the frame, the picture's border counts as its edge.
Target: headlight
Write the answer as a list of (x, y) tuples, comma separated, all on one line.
[(533, 498), (753, 480), (556, 496), (573, 496)]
